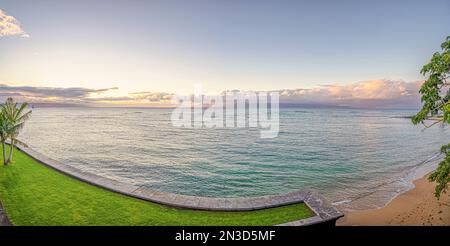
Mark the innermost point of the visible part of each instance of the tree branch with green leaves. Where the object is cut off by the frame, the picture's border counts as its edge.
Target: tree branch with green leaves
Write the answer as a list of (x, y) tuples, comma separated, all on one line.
[(435, 98)]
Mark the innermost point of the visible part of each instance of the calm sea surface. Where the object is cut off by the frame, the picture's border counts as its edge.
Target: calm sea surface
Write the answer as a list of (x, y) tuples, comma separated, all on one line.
[(358, 159)]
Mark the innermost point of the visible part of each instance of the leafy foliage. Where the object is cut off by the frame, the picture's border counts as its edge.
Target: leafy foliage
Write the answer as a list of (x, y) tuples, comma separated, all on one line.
[(12, 120), (435, 93)]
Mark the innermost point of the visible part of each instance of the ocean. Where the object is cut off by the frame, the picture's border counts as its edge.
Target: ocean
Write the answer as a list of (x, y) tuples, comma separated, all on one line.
[(357, 159)]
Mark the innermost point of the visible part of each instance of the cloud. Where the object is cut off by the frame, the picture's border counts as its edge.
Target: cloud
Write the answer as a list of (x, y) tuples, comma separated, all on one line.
[(374, 93), (10, 26), (81, 96), (153, 96), (110, 99), (366, 94), (49, 94)]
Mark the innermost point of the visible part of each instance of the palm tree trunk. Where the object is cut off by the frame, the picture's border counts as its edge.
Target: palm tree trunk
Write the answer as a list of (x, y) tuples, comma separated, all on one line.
[(4, 153), (11, 151)]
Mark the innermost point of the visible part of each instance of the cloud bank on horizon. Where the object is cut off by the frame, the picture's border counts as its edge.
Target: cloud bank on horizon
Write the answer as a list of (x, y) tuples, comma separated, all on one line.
[(366, 94), (10, 26)]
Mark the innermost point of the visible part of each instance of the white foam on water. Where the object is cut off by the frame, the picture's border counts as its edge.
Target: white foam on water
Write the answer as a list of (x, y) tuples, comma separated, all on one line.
[(384, 192)]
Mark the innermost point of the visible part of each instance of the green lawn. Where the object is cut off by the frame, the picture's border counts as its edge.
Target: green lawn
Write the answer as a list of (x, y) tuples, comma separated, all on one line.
[(33, 194)]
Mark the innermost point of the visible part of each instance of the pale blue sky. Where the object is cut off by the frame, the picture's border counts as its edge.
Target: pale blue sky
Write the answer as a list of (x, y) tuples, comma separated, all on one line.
[(260, 45)]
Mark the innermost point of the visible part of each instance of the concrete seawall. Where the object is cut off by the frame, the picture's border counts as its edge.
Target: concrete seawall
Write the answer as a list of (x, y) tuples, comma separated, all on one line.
[(325, 213)]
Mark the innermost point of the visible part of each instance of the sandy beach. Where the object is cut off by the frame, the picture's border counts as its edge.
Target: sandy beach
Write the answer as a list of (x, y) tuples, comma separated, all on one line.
[(414, 207)]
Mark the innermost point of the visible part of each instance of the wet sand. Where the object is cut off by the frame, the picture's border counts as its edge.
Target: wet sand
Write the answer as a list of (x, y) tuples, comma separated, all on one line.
[(414, 207)]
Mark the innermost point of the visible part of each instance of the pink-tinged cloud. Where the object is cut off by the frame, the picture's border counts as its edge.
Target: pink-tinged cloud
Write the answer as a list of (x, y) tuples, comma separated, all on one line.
[(10, 26), (367, 94)]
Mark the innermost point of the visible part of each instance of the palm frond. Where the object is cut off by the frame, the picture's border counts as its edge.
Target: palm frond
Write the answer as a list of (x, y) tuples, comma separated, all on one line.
[(12, 120)]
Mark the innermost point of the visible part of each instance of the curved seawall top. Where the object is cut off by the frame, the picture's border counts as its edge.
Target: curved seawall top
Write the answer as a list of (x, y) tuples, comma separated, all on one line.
[(324, 211)]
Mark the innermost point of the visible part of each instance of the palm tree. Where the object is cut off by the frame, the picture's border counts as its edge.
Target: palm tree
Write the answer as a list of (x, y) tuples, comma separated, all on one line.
[(15, 116), (4, 132)]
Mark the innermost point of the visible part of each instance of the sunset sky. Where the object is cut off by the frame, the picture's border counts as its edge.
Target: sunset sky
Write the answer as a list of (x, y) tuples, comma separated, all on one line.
[(140, 52)]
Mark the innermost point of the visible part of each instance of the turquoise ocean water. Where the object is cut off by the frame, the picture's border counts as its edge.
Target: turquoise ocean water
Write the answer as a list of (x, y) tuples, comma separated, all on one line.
[(358, 159)]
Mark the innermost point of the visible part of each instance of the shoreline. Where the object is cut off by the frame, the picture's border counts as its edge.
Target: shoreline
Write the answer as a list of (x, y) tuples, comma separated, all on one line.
[(415, 207)]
